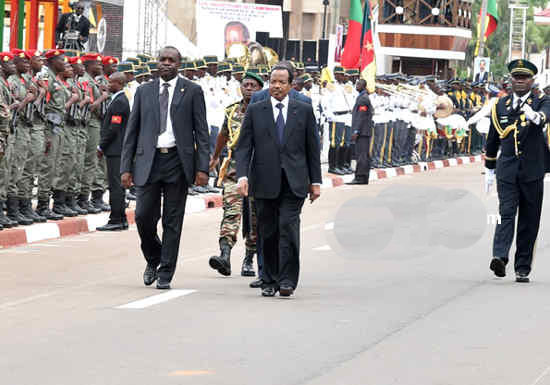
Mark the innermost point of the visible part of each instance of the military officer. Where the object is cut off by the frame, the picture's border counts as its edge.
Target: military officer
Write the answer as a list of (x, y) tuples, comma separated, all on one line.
[(362, 126), (56, 106), (93, 69), (232, 200), (24, 93), (517, 128), (5, 152)]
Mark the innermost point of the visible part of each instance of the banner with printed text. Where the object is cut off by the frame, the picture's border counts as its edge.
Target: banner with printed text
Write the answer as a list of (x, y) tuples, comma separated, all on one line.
[(220, 24)]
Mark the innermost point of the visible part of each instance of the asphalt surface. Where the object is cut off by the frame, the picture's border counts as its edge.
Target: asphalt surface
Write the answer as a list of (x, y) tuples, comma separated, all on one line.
[(395, 289)]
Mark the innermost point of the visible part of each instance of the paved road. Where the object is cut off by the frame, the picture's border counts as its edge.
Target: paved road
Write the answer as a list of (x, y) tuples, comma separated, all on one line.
[(408, 300)]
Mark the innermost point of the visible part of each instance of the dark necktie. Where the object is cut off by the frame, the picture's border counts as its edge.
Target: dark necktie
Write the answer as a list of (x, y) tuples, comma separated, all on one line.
[(163, 99), (280, 123)]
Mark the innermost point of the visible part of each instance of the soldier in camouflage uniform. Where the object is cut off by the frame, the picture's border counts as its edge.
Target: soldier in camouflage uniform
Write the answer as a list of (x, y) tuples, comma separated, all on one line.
[(24, 93), (57, 98), (67, 152), (37, 140), (93, 69), (81, 138), (232, 200), (7, 69), (5, 101)]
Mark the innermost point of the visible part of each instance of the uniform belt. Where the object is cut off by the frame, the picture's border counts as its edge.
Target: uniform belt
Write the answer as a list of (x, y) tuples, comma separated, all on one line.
[(338, 113), (166, 150)]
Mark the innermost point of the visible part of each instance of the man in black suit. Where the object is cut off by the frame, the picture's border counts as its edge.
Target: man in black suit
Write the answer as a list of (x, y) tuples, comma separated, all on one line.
[(167, 134), (279, 150), (482, 76), (518, 122), (110, 145), (361, 127), (73, 21), (293, 94)]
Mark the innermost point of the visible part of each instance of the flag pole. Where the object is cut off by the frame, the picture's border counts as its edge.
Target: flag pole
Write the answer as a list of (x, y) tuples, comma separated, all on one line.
[(483, 28)]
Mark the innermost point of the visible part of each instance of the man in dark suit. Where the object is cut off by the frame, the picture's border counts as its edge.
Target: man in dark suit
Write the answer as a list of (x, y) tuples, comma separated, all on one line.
[(279, 150), (167, 134), (361, 127), (482, 76), (518, 122), (74, 21), (110, 145)]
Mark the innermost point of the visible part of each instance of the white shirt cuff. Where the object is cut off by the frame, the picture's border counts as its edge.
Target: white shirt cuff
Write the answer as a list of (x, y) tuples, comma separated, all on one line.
[(316, 184), (242, 178)]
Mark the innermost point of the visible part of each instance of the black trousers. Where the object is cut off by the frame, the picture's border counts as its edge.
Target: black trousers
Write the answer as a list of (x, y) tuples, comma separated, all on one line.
[(525, 199), (116, 192), (362, 149), (279, 230), (166, 181)]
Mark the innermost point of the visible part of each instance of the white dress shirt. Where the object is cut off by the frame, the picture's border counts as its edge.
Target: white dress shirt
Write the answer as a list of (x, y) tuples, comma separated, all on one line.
[(274, 103), (167, 138)]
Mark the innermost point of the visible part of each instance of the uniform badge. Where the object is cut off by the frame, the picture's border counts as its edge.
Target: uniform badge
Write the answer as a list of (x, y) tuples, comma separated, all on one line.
[(363, 108), (116, 119)]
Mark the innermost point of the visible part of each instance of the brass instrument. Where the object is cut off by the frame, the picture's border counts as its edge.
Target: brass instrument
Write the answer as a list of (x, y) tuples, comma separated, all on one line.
[(252, 55)]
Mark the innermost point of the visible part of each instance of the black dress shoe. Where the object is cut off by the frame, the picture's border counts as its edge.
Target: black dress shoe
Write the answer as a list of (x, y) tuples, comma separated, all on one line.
[(130, 196), (522, 278), (336, 171), (111, 227), (358, 181), (498, 267), (256, 284), (163, 285), (286, 291), (150, 275), (269, 291)]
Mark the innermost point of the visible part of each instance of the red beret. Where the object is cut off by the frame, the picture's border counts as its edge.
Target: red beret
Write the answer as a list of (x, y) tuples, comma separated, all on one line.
[(6, 56), (54, 53), (34, 53), (20, 53), (75, 60), (109, 60), (92, 56)]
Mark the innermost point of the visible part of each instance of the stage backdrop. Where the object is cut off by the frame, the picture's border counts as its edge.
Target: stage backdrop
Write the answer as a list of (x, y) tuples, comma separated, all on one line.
[(220, 23)]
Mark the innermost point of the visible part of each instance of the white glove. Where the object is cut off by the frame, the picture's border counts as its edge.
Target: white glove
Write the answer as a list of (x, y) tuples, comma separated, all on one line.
[(530, 114), (489, 179)]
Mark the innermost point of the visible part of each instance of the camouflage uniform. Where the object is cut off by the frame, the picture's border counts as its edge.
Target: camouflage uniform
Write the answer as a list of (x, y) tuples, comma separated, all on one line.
[(75, 184), (94, 126), (19, 87), (232, 200), (100, 176), (7, 139), (56, 98), (36, 149)]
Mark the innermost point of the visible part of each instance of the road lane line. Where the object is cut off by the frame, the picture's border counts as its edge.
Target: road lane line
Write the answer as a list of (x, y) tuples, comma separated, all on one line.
[(155, 299)]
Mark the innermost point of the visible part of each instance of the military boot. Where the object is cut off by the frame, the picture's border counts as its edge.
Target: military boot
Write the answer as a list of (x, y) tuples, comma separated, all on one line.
[(97, 201), (25, 207), (5, 221), (222, 263), (43, 209), (15, 215), (84, 203), (247, 269), (59, 205), (70, 202)]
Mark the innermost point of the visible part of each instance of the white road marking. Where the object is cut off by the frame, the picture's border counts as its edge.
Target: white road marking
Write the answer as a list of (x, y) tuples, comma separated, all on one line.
[(329, 226), (156, 299), (323, 248), (542, 375)]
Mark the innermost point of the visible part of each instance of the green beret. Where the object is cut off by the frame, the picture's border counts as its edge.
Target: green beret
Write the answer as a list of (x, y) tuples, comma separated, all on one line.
[(255, 76), (523, 67)]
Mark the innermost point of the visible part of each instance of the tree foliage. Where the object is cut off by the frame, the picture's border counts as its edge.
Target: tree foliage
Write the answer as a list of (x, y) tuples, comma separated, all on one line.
[(537, 38)]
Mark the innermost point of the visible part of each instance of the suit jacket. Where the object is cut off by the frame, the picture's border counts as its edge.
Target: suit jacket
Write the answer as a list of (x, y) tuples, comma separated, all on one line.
[(484, 78), (258, 96), (532, 158), (114, 124), (361, 115), (188, 114), (261, 157), (83, 25)]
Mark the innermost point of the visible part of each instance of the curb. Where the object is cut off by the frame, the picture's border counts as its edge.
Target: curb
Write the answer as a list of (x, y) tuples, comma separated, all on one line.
[(195, 204)]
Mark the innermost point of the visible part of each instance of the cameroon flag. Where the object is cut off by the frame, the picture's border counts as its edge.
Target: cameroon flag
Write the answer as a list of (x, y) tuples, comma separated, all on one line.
[(352, 49), (367, 60), (491, 22)]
